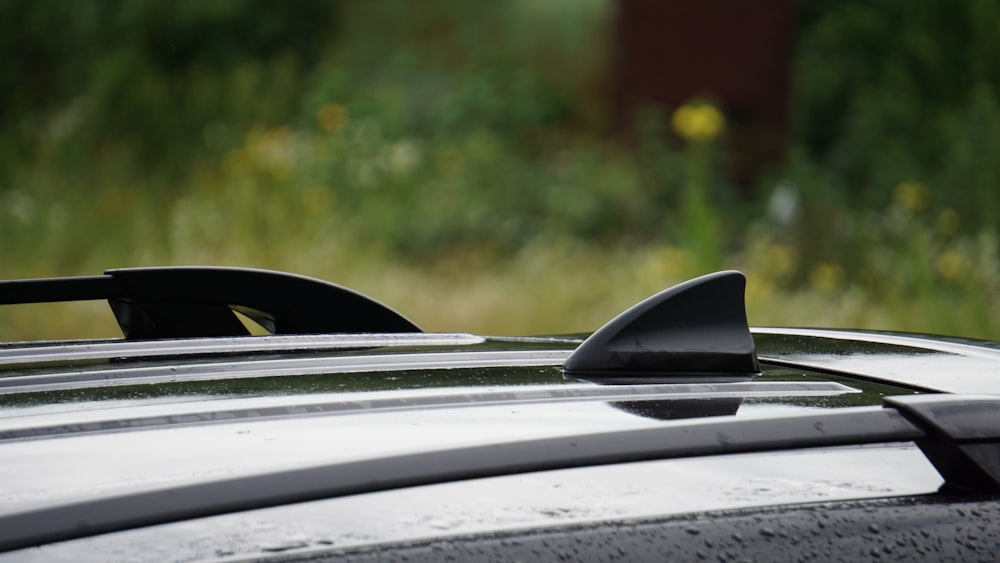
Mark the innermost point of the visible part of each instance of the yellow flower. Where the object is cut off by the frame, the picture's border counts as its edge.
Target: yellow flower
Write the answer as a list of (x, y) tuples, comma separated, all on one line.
[(331, 117), (911, 196), (698, 121)]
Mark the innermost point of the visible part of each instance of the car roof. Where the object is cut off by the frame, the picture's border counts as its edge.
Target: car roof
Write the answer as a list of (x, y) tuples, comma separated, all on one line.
[(220, 423)]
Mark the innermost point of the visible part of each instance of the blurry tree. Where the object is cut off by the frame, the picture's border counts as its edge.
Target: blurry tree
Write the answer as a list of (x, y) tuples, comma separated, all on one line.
[(429, 122), (887, 92), (152, 75)]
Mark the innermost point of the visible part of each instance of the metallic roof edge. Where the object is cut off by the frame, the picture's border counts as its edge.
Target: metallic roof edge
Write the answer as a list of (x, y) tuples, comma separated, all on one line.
[(921, 342), (570, 497), (219, 371), (13, 354), (124, 349), (63, 521), (74, 423)]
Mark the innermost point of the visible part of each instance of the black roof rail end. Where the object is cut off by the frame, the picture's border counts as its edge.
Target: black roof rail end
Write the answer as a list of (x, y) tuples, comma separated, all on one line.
[(962, 437), (189, 301)]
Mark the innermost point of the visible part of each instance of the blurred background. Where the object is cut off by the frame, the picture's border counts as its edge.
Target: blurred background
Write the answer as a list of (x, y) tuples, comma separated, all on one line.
[(522, 166)]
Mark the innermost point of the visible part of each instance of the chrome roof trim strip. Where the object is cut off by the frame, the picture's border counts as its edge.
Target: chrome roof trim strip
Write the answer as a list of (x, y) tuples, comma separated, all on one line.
[(124, 349), (914, 362), (907, 341), (265, 408), (105, 376)]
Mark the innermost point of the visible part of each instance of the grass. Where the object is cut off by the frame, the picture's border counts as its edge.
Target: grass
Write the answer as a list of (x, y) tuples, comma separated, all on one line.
[(562, 287), (467, 232)]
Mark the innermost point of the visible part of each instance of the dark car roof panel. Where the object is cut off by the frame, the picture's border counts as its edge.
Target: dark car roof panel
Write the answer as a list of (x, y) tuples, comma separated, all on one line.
[(345, 404)]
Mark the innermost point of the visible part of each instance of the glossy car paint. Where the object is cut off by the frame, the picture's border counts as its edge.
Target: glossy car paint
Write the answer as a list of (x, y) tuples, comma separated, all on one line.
[(82, 427), (521, 502)]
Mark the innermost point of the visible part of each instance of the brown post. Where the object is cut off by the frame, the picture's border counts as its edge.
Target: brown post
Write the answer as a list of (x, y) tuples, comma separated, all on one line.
[(733, 52)]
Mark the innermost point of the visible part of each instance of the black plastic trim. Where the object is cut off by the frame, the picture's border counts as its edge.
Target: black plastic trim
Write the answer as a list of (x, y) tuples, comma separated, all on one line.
[(51, 290), (183, 302), (963, 437), (694, 331)]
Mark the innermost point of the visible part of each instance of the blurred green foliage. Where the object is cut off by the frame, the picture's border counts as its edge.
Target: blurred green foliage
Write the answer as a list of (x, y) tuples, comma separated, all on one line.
[(889, 91), (142, 80), (444, 137)]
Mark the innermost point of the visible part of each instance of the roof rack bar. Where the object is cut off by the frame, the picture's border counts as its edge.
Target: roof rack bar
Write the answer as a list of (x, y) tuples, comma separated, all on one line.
[(37, 526), (50, 290), (184, 302)]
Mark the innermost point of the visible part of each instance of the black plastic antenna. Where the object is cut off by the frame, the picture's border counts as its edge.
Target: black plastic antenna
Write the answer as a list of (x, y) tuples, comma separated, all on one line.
[(694, 331), (180, 302)]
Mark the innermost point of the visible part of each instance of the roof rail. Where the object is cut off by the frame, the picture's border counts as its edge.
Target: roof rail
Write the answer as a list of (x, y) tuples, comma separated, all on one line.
[(939, 428), (41, 524), (182, 302)]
